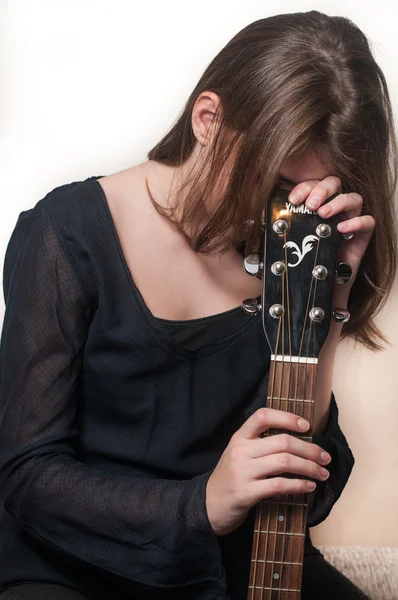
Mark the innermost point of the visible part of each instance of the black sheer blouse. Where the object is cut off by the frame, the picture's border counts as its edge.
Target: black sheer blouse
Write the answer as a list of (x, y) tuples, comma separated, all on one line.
[(112, 420)]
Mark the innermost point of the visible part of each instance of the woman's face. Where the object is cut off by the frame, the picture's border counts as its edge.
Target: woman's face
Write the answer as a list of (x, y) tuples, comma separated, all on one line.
[(306, 168)]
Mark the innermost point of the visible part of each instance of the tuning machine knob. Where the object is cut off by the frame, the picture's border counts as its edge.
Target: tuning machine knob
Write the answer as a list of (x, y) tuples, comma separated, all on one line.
[(251, 222), (280, 226), (276, 311), (323, 230), (251, 306), (278, 268), (341, 315), (320, 272), (316, 314), (343, 272), (253, 265)]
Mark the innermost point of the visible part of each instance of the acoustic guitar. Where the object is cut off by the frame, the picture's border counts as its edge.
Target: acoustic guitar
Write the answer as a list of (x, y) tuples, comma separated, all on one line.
[(297, 265)]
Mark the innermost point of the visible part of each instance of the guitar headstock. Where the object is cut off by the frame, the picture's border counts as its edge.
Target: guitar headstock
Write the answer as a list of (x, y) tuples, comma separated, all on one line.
[(298, 253)]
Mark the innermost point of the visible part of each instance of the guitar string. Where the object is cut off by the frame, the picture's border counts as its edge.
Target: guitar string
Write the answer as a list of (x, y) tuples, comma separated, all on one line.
[(311, 327), (277, 506), (313, 379), (262, 502), (283, 540), (285, 294), (281, 326), (260, 515)]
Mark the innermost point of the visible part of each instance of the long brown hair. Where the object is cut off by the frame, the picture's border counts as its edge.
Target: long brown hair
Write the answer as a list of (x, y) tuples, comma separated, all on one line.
[(289, 84)]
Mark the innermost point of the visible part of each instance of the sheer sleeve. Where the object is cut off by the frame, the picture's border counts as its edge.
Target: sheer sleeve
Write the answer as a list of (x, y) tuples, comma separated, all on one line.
[(153, 531), (321, 502)]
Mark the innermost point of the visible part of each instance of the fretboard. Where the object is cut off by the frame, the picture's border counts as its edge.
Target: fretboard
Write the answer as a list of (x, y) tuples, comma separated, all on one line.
[(280, 523)]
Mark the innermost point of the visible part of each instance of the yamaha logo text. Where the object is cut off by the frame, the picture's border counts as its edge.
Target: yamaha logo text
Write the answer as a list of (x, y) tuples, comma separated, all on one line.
[(299, 209)]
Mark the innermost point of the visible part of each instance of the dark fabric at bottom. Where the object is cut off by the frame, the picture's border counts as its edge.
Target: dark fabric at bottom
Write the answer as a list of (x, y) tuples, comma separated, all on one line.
[(321, 581), (41, 591)]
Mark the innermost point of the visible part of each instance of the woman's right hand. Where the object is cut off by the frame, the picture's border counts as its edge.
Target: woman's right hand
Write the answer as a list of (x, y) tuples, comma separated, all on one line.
[(244, 475)]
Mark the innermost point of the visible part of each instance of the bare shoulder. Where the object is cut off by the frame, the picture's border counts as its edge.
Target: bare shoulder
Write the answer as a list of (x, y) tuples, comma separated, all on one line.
[(125, 189), (136, 220), (130, 203)]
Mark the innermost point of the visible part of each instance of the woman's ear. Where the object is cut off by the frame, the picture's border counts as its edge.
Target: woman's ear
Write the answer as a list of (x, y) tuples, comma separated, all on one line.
[(205, 116)]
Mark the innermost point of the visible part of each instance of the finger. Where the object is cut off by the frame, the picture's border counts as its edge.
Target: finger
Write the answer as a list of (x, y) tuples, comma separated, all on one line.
[(264, 418), (284, 442), (316, 195), (350, 203), (364, 224), (355, 248), (275, 464), (274, 486), (302, 190)]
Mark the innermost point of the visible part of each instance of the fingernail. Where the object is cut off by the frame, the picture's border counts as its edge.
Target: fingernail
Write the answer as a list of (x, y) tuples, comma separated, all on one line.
[(296, 197), (312, 201), (324, 211), (325, 458), (324, 473), (303, 425)]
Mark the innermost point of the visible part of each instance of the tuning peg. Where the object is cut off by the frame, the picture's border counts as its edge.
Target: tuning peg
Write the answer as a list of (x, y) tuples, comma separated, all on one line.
[(251, 306), (251, 222), (343, 272), (341, 315), (317, 314), (252, 264)]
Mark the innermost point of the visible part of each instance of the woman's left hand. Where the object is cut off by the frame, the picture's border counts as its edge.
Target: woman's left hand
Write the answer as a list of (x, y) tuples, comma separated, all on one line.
[(314, 193)]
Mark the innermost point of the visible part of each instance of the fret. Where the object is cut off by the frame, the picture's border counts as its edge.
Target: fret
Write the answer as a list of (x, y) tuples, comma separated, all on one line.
[(278, 547), (282, 502), (302, 405), (279, 532), (271, 432), (291, 399), (279, 562), (273, 589), (294, 359), (294, 433)]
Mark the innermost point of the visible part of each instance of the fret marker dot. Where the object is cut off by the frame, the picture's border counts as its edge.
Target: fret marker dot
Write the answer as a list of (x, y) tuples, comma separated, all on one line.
[(281, 518), (276, 576)]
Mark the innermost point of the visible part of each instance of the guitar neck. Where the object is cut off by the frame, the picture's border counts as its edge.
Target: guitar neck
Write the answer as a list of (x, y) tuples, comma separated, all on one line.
[(280, 522)]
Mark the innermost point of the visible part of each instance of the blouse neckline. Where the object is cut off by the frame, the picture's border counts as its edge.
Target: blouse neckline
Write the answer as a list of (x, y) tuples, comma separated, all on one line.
[(161, 333)]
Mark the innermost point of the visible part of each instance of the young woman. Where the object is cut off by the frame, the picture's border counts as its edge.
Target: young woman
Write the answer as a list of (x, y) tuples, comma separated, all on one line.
[(133, 385)]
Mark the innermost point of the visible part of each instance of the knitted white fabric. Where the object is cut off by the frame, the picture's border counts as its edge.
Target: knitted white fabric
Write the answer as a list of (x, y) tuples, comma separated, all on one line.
[(374, 569)]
